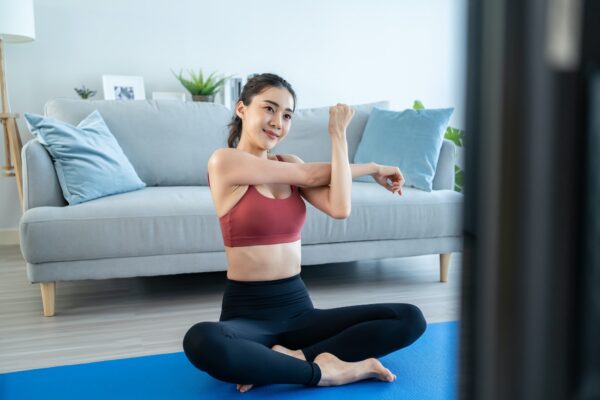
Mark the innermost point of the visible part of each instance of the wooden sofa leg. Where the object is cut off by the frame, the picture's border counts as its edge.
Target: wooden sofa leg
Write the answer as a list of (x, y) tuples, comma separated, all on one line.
[(444, 264), (48, 296)]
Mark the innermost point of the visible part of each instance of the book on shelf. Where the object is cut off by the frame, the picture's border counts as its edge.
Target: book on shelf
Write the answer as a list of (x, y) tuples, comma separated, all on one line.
[(230, 92)]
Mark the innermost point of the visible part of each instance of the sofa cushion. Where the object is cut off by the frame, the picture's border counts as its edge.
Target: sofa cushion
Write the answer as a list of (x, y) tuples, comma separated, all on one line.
[(308, 137), (175, 220), (88, 160), (168, 142), (409, 139)]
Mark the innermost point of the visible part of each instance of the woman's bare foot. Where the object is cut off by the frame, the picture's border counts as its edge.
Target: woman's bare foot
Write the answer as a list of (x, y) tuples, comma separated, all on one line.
[(294, 353), (243, 388), (335, 372)]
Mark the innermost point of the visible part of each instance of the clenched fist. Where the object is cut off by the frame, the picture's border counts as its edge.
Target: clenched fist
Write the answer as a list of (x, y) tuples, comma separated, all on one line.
[(390, 173), (339, 118)]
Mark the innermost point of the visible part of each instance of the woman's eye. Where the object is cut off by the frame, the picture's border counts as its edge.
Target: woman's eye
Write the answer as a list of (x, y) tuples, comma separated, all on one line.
[(270, 108), (288, 116)]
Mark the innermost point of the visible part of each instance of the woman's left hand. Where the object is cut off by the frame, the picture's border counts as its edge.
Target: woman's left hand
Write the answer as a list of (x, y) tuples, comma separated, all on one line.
[(388, 172)]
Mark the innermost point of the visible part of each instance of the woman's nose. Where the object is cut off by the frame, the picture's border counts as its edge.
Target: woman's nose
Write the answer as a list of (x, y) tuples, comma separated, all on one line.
[(276, 121)]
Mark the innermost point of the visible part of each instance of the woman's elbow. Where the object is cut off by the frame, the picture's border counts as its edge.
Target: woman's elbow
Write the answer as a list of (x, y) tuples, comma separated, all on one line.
[(341, 213)]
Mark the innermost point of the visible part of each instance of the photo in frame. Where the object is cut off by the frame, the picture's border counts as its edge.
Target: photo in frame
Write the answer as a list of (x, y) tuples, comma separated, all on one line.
[(122, 87)]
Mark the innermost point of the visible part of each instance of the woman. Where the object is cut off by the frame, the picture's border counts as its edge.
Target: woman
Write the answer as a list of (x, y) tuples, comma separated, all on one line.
[(269, 331)]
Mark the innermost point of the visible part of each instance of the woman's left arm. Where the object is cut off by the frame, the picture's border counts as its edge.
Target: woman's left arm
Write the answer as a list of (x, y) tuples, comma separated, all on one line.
[(319, 196), (321, 172), (382, 174)]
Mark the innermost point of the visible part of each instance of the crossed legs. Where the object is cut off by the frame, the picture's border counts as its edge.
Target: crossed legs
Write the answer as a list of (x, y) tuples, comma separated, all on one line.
[(240, 351)]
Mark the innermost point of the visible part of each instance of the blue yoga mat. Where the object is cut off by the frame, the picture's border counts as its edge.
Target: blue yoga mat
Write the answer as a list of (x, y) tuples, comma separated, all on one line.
[(427, 369)]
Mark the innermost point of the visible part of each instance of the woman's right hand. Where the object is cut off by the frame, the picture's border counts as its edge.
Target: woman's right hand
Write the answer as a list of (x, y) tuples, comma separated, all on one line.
[(340, 116)]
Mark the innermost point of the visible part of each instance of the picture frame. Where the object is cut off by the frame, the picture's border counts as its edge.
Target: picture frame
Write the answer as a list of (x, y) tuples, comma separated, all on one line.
[(123, 87)]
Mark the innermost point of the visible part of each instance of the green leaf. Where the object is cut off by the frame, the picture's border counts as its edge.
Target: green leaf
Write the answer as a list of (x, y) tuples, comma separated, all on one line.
[(84, 92), (417, 105), (455, 135), (197, 85), (458, 178)]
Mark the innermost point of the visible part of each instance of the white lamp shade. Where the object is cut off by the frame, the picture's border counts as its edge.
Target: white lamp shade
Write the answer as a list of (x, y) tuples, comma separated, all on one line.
[(16, 20)]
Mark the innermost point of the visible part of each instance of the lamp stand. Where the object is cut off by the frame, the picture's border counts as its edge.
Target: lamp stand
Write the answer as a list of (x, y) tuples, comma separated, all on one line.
[(12, 138)]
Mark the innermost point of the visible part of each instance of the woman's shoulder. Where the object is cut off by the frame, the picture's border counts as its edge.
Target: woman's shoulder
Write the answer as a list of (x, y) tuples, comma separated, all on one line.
[(225, 158), (223, 152)]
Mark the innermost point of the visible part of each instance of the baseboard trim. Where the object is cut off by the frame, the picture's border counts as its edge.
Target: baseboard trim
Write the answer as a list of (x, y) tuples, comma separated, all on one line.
[(9, 237)]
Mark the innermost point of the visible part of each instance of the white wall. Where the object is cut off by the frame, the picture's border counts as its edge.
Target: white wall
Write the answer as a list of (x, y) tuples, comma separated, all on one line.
[(350, 51)]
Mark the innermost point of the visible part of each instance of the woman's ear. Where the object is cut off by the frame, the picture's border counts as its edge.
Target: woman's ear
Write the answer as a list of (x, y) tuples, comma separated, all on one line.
[(240, 109)]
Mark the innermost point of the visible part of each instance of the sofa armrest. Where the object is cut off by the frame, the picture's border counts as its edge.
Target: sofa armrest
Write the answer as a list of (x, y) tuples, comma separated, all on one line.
[(444, 172), (40, 183)]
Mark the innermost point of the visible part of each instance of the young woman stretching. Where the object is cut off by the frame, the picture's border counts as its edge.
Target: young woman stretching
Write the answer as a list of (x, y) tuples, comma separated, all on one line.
[(269, 331)]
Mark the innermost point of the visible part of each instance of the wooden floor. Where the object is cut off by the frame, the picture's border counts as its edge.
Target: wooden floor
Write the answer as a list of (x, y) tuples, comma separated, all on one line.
[(120, 318)]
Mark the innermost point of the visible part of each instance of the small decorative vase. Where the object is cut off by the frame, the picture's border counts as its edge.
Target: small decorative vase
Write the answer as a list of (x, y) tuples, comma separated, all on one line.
[(208, 98)]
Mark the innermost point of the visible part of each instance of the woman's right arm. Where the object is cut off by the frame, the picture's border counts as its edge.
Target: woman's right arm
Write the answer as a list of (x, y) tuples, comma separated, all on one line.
[(236, 167), (340, 186)]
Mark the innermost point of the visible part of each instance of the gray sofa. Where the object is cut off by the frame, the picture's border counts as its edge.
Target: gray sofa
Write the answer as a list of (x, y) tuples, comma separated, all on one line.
[(170, 227)]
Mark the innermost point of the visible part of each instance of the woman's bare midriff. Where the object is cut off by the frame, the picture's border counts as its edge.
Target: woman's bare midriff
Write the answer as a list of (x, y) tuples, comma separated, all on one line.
[(262, 262)]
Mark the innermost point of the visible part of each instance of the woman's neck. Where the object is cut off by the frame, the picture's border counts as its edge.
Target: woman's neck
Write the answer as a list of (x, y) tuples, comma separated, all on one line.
[(258, 152)]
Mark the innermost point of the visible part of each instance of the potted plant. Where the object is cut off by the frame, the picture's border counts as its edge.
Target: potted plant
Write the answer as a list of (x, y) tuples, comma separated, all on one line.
[(85, 93), (200, 88)]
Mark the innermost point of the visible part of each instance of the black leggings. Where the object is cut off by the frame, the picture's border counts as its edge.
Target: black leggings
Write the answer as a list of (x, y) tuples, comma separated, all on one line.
[(257, 315)]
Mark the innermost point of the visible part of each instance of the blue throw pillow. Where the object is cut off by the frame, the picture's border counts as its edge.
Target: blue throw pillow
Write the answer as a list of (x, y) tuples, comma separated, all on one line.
[(88, 160), (409, 139)]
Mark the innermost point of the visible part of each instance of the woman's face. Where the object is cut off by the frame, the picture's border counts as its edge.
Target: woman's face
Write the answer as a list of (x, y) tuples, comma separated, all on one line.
[(266, 121)]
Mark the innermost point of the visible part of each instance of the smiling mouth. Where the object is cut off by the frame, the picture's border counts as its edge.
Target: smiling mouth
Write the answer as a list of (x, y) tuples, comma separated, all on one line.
[(272, 136)]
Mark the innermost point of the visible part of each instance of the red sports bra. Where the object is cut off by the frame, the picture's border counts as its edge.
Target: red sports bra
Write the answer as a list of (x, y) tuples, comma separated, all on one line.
[(256, 219)]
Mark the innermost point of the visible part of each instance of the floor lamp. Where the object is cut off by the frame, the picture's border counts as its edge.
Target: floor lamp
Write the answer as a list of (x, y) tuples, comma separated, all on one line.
[(16, 26)]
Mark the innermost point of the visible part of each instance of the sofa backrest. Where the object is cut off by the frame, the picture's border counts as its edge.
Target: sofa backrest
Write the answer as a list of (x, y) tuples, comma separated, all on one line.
[(169, 142), (308, 137)]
